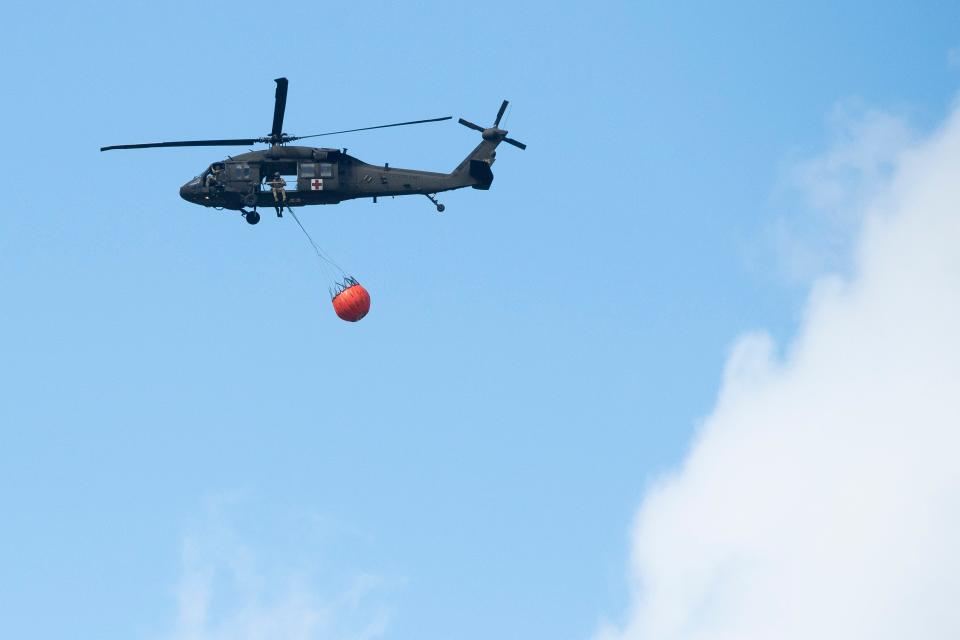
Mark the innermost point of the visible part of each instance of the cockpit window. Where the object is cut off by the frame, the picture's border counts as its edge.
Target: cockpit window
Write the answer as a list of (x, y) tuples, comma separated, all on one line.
[(326, 170)]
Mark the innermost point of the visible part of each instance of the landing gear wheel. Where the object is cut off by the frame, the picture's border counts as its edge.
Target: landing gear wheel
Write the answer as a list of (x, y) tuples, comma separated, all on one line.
[(433, 199), (252, 217)]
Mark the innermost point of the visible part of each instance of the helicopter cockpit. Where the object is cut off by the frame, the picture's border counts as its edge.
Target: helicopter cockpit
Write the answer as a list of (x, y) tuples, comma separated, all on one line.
[(214, 175)]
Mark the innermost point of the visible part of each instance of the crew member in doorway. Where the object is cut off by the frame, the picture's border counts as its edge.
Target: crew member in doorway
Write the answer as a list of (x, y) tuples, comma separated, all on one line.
[(278, 185)]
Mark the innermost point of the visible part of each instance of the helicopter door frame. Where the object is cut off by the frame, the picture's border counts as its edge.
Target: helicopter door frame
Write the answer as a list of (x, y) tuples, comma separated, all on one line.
[(243, 178), (242, 173)]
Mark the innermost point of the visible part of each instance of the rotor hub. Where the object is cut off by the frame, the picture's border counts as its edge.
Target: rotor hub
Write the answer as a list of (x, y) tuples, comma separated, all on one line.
[(493, 133)]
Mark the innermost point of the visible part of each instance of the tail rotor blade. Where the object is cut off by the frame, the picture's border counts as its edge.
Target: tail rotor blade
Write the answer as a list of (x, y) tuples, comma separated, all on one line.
[(279, 107), (515, 143), (503, 107), (470, 125)]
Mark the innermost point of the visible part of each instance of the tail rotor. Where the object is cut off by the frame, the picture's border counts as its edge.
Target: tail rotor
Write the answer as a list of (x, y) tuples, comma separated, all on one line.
[(494, 133)]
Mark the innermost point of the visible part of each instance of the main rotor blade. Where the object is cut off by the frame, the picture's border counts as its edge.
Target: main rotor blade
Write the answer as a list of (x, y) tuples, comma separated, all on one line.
[(515, 143), (469, 124), (245, 142), (279, 107), (503, 107), (382, 126)]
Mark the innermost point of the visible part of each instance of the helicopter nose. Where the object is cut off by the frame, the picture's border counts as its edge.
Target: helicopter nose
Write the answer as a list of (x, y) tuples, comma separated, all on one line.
[(190, 191)]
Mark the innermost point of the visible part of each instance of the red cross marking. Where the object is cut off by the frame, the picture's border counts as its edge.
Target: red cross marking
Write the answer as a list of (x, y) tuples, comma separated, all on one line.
[(315, 184)]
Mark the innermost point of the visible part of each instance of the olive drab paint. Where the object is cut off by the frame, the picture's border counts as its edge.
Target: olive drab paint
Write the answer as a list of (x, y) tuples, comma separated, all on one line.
[(324, 176)]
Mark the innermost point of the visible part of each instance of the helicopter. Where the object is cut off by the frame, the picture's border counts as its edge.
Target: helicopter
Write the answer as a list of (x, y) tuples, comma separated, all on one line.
[(324, 176)]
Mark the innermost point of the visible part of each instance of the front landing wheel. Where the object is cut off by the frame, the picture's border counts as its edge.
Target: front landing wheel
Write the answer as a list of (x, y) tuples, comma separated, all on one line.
[(441, 208), (252, 217)]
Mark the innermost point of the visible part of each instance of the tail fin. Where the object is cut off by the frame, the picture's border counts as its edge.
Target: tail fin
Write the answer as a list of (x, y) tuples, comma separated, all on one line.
[(476, 166)]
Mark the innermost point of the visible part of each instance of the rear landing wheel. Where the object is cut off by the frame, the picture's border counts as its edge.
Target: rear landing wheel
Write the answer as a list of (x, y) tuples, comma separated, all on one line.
[(252, 217), (433, 199)]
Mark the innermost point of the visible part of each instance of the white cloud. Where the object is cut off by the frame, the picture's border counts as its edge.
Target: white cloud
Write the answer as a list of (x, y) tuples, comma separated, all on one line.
[(227, 592), (821, 497), (828, 194)]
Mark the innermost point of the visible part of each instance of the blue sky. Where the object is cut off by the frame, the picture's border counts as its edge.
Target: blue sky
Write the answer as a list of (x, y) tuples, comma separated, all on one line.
[(475, 449)]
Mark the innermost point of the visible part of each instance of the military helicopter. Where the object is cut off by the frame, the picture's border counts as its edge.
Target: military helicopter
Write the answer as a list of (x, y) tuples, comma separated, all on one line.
[(324, 176)]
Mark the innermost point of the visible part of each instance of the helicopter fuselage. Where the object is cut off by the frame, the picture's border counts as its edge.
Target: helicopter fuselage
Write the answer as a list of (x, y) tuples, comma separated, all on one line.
[(325, 176)]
